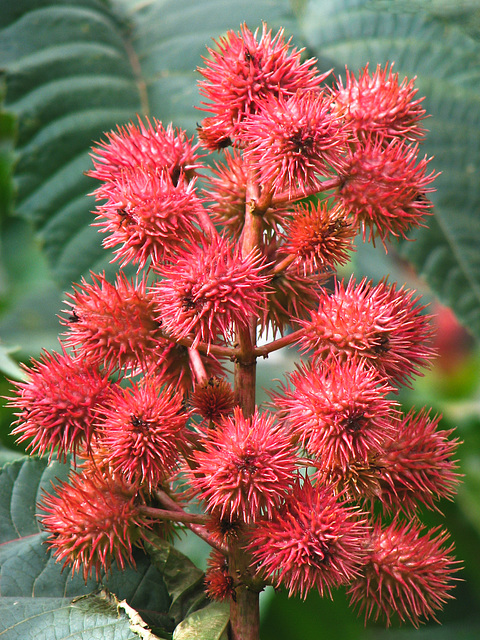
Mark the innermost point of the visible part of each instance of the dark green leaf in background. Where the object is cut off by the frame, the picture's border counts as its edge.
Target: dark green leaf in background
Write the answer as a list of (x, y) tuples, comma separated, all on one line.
[(209, 623), (182, 578), (69, 78)]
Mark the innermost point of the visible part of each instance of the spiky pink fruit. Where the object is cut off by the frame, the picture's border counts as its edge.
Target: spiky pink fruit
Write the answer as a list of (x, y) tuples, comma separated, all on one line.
[(382, 324), (318, 236), (227, 192), (245, 467), (339, 411), (378, 102), (59, 404), (408, 573), (209, 290), (313, 541), (218, 581), (244, 70), (92, 522), (213, 399), (384, 189), (149, 145), (142, 431), (114, 324), (418, 466), (147, 216), (293, 142)]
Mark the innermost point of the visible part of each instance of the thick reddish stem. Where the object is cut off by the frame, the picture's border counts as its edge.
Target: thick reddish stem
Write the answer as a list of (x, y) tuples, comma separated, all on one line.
[(197, 366), (198, 529), (244, 610), (326, 185), (207, 224), (212, 349), (284, 264), (175, 516), (275, 345)]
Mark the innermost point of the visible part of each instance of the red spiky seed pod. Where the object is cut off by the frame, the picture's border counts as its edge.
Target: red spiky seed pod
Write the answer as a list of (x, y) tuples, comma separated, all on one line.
[(384, 325), (245, 467), (209, 290), (408, 573), (213, 133), (141, 168), (293, 142), (419, 465), (339, 411), (149, 145), (143, 430), (114, 324), (293, 295), (147, 216), (219, 584), (318, 236), (384, 189), (224, 531), (227, 188), (244, 70), (92, 522), (213, 399), (293, 298), (313, 541), (174, 367), (59, 404), (379, 103), (360, 481)]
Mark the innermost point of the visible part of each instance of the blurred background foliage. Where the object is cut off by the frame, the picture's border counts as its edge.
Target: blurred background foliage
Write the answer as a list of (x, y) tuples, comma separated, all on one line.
[(72, 69)]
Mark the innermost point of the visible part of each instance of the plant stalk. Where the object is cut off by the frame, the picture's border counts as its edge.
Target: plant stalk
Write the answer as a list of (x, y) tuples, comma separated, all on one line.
[(244, 609)]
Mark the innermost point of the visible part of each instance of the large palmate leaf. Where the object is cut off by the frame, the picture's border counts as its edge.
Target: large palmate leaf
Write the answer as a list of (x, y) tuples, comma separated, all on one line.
[(163, 589)]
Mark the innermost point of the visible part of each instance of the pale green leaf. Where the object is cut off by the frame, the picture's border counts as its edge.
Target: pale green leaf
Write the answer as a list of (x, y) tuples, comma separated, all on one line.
[(8, 366), (210, 623), (90, 618)]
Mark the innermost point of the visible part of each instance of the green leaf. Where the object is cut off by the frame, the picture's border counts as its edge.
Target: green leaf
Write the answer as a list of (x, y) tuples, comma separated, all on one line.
[(209, 623), (446, 63), (8, 366), (8, 455), (7, 138), (31, 298), (92, 618), (464, 15), (183, 579), (68, 78)]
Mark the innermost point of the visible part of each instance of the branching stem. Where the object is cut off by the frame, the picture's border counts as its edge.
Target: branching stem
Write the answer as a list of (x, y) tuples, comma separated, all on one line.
[(175, 516), (286, 198), (275, 345)]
